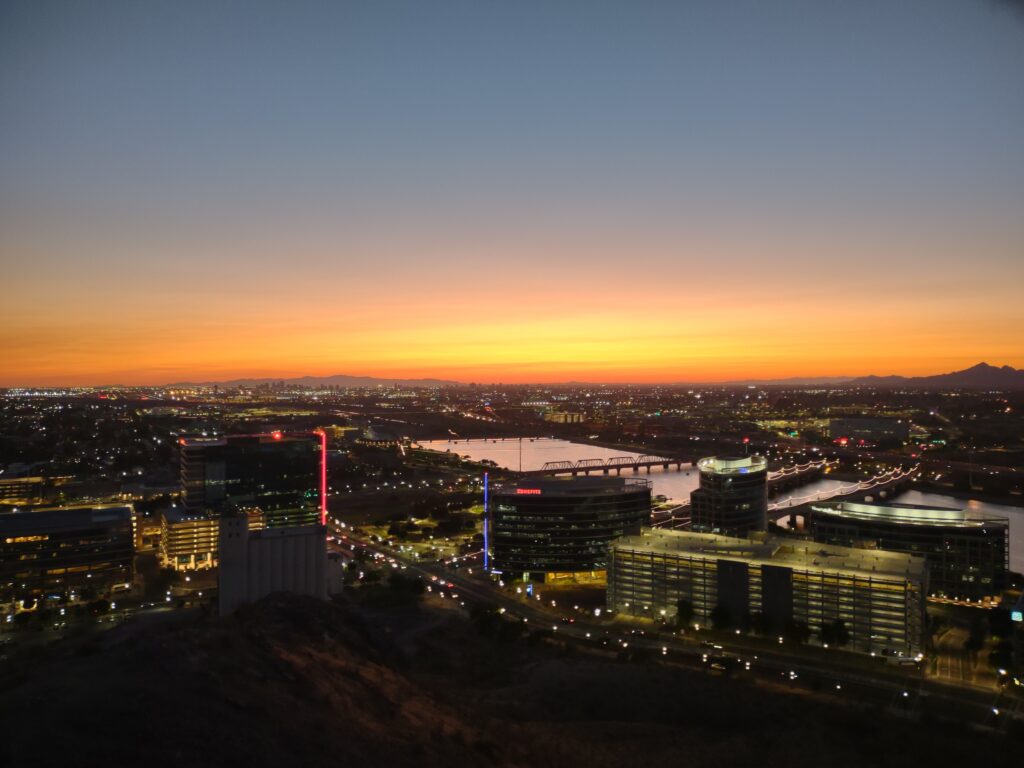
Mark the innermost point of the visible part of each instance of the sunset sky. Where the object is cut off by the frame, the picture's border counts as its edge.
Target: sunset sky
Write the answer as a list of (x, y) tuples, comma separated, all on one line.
[(509, 191)]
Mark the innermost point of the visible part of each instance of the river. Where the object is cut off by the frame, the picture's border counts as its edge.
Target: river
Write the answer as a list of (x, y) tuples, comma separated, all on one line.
[(533, 453)]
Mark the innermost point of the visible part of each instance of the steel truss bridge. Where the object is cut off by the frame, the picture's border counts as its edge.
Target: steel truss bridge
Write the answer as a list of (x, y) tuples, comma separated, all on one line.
[(606, 466)]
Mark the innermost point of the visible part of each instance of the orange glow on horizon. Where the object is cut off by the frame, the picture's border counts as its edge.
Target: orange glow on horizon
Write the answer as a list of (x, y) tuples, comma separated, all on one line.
[(702, 316), (640, 344)]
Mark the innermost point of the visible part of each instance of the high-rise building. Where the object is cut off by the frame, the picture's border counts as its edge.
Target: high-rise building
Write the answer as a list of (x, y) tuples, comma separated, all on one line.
[(278, 478), (66, 550), (968, 553), (733, 495), (254, 564), (878, 598), (559, 528)]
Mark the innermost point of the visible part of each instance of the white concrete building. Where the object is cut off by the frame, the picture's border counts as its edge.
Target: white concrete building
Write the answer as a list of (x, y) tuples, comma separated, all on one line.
[(253, 564)]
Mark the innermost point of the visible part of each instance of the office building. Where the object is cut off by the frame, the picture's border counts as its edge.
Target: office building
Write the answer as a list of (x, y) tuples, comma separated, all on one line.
[(733, 495), (563, 417), (278, 477), (559, 528), (774, 583), (968, 554), (254, 564), (62, 551), (21, 491), (188, 542)]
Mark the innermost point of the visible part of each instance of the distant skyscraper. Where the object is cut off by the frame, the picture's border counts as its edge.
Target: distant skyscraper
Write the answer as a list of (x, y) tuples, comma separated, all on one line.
[(733, 495), (276, 479)]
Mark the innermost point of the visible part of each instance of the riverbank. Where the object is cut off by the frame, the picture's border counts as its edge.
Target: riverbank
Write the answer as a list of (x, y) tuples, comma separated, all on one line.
[(1004, 499)]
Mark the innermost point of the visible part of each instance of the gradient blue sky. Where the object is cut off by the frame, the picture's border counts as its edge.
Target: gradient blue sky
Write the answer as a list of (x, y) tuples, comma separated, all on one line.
[(470, 189)]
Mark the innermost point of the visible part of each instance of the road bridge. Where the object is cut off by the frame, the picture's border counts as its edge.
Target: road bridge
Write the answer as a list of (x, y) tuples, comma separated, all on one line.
[(614, 464)]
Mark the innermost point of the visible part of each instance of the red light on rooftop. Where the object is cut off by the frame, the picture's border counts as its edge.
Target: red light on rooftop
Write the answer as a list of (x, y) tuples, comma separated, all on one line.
[(276, 435)]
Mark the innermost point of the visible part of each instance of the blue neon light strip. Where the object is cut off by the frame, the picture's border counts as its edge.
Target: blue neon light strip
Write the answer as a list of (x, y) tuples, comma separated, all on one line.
[(486, 525)]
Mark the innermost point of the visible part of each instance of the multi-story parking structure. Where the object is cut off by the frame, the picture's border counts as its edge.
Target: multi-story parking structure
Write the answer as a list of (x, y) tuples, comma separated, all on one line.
[(773, 583)]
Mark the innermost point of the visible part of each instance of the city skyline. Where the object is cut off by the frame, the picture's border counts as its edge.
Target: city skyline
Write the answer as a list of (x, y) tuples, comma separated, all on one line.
[(509, 194), (588, 383)]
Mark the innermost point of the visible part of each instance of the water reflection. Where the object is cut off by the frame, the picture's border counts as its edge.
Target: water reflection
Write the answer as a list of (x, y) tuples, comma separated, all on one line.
[(533, 453)]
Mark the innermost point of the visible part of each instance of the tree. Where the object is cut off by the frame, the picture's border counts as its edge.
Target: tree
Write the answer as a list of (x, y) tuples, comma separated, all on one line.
[(486, 618), (157, 584), (797, 631), (408, 587), (684, 612), (1000, 623), (842, 633), (1002, 655), (976, 639), (747, 622), (834, 633), (721, 617), (760, 624)]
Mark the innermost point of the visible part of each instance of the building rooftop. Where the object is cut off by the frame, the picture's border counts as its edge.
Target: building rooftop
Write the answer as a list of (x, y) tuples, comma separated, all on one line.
[(733, 465), (262, 437), (573, 486), (909, 514), (182, 514), (777, 551)]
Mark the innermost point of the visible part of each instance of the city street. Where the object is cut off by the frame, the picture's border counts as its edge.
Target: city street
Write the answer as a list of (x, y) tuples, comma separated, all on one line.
[(952, 693)]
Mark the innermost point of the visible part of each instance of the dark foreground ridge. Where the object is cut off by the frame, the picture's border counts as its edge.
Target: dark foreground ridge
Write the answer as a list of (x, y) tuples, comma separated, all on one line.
[(294, 682)]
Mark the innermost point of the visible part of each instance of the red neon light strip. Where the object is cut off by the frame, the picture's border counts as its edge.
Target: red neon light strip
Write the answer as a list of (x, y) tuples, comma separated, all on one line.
[(323, 477)]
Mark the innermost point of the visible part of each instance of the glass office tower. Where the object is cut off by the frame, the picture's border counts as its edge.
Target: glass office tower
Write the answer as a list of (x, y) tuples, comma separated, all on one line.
[(733, 495), (560, 527)]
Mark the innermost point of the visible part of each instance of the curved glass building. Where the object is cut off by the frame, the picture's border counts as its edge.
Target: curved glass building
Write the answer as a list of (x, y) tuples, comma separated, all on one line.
[(733, 495), (967, 554), (559, 528)]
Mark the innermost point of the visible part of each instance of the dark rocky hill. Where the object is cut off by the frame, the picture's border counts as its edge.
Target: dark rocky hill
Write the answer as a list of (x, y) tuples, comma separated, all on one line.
[(293, 682)]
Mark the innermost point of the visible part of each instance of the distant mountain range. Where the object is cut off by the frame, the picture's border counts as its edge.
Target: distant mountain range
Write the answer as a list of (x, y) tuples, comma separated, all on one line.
[(337, 380), (792, 381), (980, 376)]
